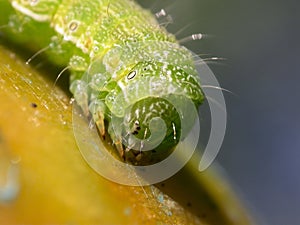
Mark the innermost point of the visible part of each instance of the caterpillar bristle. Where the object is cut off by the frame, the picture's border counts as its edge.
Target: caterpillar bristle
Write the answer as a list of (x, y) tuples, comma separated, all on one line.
[(168, 20), (36, 54), (217, 88), (176, 34), (60, 74), (193, 37), (209, 60), (160, 13)]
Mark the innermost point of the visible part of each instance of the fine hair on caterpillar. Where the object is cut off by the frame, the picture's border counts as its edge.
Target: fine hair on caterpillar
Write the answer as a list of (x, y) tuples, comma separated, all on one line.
[(129, 76)]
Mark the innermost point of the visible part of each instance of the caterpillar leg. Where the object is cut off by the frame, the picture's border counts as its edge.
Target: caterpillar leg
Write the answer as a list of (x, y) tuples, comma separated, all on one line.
[(98, 109), (117, 140), (119, 147), (80, 93)]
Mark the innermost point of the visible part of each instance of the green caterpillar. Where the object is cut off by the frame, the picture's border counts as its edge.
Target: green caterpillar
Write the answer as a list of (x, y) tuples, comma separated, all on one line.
[(127, 72)]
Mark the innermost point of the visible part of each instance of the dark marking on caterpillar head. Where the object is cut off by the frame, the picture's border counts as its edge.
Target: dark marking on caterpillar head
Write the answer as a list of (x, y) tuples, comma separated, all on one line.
[(136, 127)]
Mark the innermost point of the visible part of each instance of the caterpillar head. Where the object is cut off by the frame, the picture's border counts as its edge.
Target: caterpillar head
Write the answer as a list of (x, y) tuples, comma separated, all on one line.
[(147, 98), (151, 128)]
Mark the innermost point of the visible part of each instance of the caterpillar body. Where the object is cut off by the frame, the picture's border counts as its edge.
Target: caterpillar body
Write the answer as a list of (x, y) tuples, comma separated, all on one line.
[(127, 72)]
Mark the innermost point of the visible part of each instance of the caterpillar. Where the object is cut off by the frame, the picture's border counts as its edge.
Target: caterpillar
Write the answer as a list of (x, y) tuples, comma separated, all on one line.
[(127, 72)]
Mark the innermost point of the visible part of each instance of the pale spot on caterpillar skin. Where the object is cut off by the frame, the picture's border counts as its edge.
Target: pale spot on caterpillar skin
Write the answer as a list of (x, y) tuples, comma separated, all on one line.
[(33, 2), (28, 12)]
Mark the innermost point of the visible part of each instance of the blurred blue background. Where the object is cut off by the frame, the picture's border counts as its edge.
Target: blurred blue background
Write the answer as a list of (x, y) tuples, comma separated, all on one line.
[(260, 40)]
